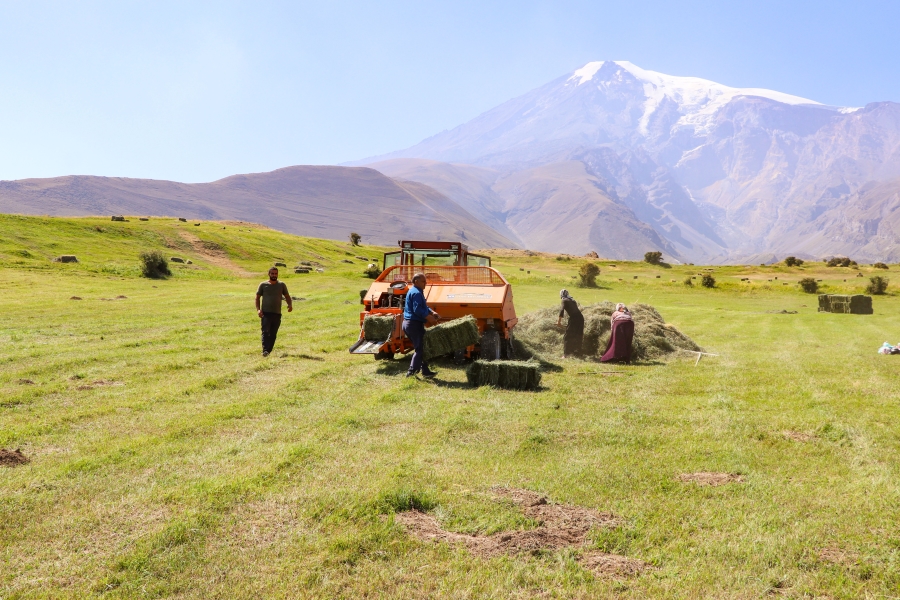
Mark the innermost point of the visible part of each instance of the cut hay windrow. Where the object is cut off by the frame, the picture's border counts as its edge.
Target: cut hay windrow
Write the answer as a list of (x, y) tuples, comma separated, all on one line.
[(537, 335), (378, 328), (446, 338), (507, 374)]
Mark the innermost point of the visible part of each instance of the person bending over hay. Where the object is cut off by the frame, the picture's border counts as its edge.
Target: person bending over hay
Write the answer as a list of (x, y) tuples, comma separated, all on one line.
[(574, 337), (619, 347)]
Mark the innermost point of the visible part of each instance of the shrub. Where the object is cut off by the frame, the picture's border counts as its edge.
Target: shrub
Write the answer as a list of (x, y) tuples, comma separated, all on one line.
[(708, 281), (793, 261), (355, 239), (809, 285), (154, 265), (372, 272), (588, 274), (877, 285), (880, 265), (653, 258), (840, 261), (687, 281)]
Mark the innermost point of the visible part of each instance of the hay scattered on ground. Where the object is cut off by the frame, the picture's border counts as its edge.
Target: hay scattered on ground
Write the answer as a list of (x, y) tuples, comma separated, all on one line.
[(560, 526), (506, 374), (837, 556), (711, 479), (378, 328), (12, 458), (537, 335), (448, 337)]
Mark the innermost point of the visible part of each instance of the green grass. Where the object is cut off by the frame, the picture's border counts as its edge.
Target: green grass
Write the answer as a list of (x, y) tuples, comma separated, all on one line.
[(201, 469)]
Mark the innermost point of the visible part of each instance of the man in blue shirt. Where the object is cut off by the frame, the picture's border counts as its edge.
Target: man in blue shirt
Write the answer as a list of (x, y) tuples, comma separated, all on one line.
[(415, 314)]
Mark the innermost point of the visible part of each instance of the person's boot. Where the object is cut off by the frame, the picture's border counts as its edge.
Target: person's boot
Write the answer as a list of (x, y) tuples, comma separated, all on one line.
[(426, 372)]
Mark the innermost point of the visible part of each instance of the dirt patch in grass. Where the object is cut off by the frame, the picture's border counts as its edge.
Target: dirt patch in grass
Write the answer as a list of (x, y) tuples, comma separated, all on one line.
[(798, 436), (601, 563), (12, 458), (837, 556), (213, 253), (25, 382), (98, 383), (560, 526), (711, 479)]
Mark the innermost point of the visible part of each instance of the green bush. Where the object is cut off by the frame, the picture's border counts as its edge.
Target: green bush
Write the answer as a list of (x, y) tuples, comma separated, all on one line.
[(372, 272), (809, 285), (154, 265), (588, 274), (877, 285), (840, 261), (687, 281), (793, 261), (355, 239), (708, 281), (654, 258), (880, 265)]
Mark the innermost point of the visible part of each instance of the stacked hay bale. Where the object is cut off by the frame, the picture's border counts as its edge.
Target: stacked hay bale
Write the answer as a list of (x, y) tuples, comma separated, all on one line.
[(446, 338), (857, 304), (537, 335), (377, 328), (507, 374)]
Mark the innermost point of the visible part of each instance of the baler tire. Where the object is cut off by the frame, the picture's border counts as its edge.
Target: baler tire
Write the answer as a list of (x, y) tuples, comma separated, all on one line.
[(509, 349), (490, 345)]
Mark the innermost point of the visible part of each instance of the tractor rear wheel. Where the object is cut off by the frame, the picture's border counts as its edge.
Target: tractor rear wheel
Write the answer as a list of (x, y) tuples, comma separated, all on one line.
[(509, 349), (490, 345)]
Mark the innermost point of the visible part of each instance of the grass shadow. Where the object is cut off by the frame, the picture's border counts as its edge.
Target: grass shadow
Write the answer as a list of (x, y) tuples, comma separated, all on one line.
[(303, 356)]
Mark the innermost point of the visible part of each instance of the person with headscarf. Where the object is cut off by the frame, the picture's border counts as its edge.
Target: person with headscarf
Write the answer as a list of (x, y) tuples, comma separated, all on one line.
[(621, 336), (575, 327)]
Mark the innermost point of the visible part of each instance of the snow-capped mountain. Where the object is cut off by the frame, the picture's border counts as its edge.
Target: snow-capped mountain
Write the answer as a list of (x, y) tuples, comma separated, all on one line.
[(704, 171)]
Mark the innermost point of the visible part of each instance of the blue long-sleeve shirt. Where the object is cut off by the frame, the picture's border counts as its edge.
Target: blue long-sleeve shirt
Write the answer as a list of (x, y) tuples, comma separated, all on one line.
[(416, 308)]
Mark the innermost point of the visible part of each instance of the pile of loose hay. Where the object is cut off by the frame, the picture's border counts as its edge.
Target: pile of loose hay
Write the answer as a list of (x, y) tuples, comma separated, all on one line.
[(377, 328), (446, 338), (537, 335), (507, 374)]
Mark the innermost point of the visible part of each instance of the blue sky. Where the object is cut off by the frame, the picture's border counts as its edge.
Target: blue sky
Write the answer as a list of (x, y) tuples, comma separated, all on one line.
[(195, 91)]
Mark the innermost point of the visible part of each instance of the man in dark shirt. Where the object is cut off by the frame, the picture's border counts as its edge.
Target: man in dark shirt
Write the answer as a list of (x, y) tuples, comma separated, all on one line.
[(415, 314), (271, 292)]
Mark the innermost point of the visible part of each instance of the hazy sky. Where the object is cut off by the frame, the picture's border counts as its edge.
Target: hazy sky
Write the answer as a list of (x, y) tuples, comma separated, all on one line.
[(196, 91)]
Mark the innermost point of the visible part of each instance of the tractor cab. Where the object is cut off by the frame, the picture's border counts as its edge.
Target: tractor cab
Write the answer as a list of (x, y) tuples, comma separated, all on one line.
[(426, 254)]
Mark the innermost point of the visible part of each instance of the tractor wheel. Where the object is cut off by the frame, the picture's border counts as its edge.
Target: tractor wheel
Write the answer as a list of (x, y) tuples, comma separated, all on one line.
[(490, 345)]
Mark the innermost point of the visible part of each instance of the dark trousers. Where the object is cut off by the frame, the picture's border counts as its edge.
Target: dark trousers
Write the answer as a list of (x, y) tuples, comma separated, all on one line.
[(415, 331), (270, 323)]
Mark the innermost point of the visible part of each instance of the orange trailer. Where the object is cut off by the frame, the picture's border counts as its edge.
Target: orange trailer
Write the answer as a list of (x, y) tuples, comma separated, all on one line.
[(459, 283)]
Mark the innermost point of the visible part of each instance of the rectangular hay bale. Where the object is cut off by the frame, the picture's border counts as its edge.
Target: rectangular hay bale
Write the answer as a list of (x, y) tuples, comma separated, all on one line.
[(506, 374), (858, 304), (446, 338), (378, 328)]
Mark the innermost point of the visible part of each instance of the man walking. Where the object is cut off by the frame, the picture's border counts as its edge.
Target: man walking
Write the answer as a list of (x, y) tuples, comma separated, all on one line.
[(271, 292), (415, 314)]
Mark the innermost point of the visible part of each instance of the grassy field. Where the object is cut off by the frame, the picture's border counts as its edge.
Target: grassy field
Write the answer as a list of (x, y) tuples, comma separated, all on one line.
[(170, 459)]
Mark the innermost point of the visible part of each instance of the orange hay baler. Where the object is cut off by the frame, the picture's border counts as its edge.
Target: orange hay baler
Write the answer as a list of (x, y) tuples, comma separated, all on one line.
[(459, 283)]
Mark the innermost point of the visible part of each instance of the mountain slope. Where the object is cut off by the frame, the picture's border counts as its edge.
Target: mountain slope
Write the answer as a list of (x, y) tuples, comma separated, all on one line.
[(319, 201), (721, 173)]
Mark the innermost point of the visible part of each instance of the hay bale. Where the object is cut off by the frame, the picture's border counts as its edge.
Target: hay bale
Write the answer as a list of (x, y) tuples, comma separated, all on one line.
[(66, 258), (146, 219), (117, 218), (280, 264), (507, 374), (176, 259), (183, 220), (377, 328), (857, 304), (537, 335), (446, 338)]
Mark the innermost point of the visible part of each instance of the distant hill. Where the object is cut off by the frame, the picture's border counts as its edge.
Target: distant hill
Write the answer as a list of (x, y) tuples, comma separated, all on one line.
[(721, 174), (318, 201)]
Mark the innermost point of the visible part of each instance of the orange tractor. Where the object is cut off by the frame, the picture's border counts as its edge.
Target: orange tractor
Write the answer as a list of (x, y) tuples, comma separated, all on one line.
[(459, 283)]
